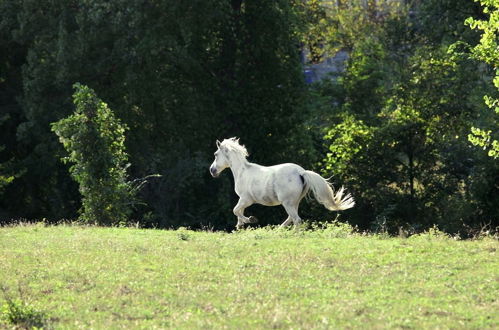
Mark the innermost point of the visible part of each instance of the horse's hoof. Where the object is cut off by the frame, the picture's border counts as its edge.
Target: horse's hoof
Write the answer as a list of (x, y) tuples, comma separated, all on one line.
[(252, 219)]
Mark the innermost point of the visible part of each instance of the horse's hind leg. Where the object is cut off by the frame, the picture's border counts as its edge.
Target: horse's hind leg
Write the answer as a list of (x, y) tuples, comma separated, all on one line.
[(286, 222), (292, 210)]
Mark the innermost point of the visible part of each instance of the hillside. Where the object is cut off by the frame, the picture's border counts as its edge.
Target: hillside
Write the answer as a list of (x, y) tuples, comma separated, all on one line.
[(81, 277)]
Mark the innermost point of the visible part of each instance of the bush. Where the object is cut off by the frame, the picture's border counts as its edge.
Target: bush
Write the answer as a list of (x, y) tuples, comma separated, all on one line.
[(95, 141)]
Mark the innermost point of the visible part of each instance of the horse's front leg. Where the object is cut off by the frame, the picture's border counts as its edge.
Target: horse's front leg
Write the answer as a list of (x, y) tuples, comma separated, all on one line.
[(242, 204)]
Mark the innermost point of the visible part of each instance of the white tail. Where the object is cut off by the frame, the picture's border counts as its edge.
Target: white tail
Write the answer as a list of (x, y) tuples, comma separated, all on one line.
[(324, 192)]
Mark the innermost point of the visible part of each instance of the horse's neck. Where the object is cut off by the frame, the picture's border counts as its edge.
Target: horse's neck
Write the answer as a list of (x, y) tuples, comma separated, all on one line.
[(238, 167)]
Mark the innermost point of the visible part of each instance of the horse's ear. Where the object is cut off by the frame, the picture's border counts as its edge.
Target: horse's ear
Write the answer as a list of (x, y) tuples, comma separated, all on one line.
[(218, 144)]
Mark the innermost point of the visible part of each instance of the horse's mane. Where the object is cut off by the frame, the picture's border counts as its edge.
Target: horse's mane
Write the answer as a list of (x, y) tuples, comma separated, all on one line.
[(233, 145)]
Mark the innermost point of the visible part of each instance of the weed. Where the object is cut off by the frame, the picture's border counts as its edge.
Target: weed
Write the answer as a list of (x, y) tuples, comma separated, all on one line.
[(183, 234), (21, 314), (333, 229), (434, 233)]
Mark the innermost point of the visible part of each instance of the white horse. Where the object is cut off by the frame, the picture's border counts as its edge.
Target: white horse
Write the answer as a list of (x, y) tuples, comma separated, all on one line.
[(284, 184)]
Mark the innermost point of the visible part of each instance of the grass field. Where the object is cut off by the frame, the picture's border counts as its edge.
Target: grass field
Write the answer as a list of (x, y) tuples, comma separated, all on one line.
[(87, 277)]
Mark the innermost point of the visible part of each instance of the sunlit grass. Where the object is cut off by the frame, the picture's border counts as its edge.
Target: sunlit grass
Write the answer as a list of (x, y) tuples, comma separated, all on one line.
[(111, 277)]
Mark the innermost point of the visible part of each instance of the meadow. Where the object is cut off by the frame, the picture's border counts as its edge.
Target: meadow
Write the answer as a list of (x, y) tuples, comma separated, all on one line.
[(67, 277)]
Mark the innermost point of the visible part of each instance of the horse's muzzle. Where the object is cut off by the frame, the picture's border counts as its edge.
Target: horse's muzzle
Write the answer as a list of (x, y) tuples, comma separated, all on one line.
[(213, 172)]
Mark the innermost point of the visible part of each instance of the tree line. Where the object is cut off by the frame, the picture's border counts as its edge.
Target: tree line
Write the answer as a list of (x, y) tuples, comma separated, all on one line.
[(396, 126)]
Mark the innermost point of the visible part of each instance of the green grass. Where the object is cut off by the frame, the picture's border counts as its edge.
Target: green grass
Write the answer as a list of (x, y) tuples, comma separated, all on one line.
[(88, 277)]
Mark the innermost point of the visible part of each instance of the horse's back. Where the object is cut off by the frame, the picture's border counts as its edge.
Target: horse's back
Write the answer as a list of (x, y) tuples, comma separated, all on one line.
[(288, 168)]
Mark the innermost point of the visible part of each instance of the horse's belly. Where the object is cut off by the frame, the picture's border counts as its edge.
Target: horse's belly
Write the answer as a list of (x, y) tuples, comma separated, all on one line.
[(262, 190), (268, 201), (266, 196)]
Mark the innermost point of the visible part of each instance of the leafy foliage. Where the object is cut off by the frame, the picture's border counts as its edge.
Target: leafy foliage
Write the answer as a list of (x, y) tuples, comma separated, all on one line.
[(21, 314), (180, 74), (486, 51), (398, 121), (346, 141), (95, 141), (5, 177)]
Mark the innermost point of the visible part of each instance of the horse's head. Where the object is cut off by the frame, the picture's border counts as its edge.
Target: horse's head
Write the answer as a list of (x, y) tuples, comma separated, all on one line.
[(221, 161)]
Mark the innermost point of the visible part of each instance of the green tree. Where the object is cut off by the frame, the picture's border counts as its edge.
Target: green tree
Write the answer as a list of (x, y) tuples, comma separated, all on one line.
[(29, 31), (12, 56), (179, 74), (440, 22), (5, 176), (397, 122), (487, 51), (95, 141)]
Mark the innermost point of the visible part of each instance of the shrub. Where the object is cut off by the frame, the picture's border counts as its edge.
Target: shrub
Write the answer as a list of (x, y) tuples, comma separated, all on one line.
[(95, 141)]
